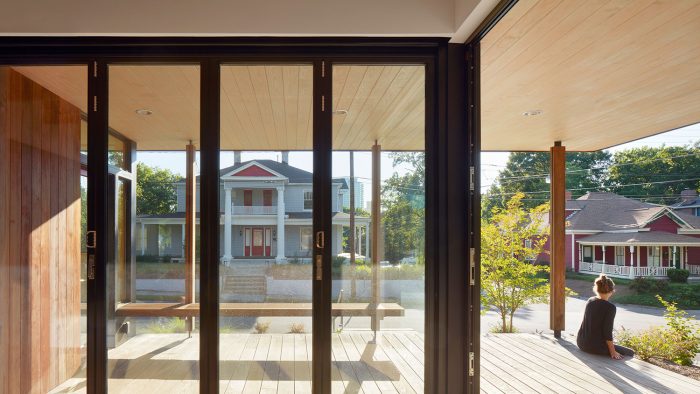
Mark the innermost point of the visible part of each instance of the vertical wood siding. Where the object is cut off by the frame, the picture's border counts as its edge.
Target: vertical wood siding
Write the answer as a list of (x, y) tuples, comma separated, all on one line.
[(39, 237)]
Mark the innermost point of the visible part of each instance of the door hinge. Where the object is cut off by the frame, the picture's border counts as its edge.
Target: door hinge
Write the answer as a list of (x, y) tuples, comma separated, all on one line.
[(472, 266), (323, 103), (471, 178), (94, 103), (471, 363)]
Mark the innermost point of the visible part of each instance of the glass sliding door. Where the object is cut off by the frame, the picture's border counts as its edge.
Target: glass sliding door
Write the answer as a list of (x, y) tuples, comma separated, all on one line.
[(266, 240), (153, 247), (43, 276), (378, 221)]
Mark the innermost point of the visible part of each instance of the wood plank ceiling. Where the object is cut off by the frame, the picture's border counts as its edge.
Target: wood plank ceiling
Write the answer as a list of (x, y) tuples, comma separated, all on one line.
[(263, 107), (603, 72)]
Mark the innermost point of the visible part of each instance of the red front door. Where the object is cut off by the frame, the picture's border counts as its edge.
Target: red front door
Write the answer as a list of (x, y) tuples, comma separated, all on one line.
[(248, 198), (267, 197), (258, 242)]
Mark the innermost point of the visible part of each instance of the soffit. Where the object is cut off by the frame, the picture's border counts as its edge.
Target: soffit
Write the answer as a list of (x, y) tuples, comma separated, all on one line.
[(602, 72), (263, 107)]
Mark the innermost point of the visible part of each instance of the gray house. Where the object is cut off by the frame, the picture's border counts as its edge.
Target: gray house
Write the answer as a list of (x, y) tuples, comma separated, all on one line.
[(266, 213)]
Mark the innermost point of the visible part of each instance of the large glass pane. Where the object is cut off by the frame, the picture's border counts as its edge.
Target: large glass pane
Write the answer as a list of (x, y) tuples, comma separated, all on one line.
[(153, 260), (266, 215), (42, 222), (378, 193)]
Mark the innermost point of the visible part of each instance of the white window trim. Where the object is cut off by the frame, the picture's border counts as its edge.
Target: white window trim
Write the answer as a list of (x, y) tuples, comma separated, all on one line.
[(301, 239), (617, 255), (303, 199)]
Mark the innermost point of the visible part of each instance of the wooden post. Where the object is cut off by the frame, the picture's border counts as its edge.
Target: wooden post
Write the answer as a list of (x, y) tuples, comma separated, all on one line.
[(190, 223), (557, 238), (376, 223)]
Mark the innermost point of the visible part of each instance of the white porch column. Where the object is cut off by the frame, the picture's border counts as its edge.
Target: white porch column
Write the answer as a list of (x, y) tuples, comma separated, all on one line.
[(143, 238), (366, 242), (280, 224), (603, 247), (227, 225), (632, 261), (673, 260)]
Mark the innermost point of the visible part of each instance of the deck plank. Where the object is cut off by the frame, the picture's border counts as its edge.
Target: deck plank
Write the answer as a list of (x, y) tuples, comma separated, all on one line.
[(280, 363)]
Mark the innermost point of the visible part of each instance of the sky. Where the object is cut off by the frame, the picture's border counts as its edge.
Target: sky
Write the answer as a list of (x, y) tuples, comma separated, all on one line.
[(492, 162)]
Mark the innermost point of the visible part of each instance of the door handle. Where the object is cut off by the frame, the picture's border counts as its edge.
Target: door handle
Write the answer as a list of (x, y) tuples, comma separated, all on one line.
[(91, 239), (320, 239)]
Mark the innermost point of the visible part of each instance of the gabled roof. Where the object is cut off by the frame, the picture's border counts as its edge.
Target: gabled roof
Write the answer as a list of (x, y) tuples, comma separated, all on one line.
[(603, 211), (640, 238), (294, 174)]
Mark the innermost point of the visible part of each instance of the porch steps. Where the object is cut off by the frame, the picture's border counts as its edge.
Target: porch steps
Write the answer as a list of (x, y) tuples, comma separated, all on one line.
[(244, 288)]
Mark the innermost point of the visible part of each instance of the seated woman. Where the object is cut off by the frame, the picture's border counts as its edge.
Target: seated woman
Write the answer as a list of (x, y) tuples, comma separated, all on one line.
[(595, 335)]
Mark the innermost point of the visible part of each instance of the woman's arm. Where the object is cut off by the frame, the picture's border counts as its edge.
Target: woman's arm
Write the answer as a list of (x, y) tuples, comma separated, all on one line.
[(611, 349)]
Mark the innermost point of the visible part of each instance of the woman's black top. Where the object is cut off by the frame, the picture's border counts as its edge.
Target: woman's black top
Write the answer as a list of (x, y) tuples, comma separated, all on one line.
[(597, 326)]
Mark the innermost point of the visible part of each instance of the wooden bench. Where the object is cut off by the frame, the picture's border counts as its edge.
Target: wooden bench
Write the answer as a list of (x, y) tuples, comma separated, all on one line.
[(163, 309)]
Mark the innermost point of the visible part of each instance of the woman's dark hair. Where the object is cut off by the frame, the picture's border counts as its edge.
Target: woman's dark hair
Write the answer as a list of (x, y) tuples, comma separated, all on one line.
[(603, 284)]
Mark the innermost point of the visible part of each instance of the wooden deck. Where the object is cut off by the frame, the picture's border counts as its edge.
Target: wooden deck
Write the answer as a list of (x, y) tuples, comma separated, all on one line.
[(280, 363)]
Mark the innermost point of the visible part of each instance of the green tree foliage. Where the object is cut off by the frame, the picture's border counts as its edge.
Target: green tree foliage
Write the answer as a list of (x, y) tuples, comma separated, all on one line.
[(527, 172), (508, 280), (155, 190), (655, 174), (403, 203)]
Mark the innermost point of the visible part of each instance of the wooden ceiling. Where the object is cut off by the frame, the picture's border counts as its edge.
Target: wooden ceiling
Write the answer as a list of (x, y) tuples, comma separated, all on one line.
[(603, 72), (263, 107)]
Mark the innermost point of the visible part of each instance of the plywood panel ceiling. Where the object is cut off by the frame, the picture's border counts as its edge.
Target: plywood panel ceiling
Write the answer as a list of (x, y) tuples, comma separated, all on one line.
[(602, 72), (263, 107)]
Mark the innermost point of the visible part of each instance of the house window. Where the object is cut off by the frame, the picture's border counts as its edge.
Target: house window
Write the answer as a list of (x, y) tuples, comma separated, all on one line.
[(305, 238), (619, 255), (308, 200), (588, 254), (528, 243), (654, 255)]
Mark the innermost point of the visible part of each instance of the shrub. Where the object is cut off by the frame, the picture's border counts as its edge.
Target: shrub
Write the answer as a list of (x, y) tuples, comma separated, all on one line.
[(678, 275), (339, 261), (167, 325), (678, 342), (297, 328), (262, 327), (648, 285)]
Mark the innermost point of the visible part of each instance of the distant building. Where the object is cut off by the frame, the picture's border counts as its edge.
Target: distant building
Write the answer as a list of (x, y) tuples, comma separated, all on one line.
[(345, 192), (624, 237), (689, 204)]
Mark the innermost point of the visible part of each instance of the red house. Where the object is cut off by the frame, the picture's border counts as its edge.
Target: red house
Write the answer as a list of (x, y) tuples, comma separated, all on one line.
[(623, 237)]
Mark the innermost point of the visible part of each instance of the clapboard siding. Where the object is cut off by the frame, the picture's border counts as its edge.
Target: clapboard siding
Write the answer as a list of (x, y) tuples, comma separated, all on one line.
[(39, 236)]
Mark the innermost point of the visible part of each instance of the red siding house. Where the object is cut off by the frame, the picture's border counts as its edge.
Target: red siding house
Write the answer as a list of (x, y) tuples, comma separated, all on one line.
[(623, 237)]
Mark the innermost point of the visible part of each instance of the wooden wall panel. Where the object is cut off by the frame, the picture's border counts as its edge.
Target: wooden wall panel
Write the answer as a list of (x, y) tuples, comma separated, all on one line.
[(39, 237)]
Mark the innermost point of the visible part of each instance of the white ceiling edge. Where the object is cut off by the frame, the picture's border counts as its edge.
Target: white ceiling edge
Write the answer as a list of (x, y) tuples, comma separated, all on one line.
[(394, 18), (472, 18)]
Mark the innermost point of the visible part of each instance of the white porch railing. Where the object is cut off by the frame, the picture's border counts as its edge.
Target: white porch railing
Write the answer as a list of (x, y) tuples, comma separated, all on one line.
[(694, 269), (254, 210), (622, 271)]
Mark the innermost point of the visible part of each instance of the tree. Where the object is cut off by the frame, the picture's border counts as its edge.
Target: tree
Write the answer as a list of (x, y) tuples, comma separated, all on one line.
[(403, 202), (509, 239), (155, 190), (655, 174), (527, 172)]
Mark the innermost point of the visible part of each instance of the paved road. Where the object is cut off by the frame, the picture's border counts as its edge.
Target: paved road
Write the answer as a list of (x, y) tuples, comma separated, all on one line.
[(536, 317)]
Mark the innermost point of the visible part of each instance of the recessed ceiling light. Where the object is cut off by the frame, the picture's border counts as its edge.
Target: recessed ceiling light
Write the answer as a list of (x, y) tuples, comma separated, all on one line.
[(533, 112), (144, 112), (340, 112)]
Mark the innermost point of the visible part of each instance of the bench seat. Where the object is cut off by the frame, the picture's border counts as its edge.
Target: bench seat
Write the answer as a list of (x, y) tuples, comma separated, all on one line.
[(164, 309)]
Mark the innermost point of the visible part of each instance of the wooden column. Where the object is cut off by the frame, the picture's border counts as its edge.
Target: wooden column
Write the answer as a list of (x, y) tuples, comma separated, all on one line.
[(557, 240), (190, 225), (376, 223)]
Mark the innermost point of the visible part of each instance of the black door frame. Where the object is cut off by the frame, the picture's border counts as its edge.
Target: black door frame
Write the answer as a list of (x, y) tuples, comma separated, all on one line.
[(445, 360)]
